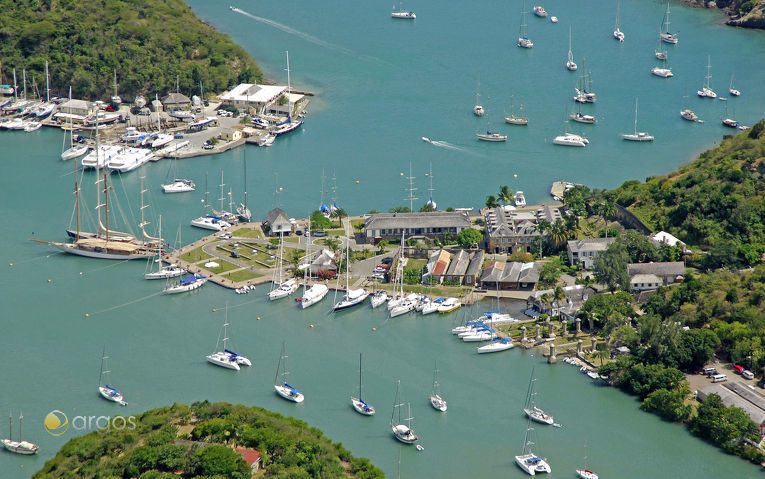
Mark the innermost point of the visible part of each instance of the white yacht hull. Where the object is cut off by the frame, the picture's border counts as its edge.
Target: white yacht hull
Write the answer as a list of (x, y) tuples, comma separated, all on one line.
[(109, 395), (404, 434), (22, 447), (494, 347), (315, 294), (539, 416), (361, 407), (183, 288), (179, 186), (223, 360), (438, 403), (531, 464), (165, 273), (208, 223), (72, 248), (74, 152), (289, 394)]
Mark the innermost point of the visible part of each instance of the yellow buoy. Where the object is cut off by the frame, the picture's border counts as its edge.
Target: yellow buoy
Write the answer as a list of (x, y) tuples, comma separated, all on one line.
[(357, 182), (374, 329), (87, 315), (258, 318), (312, 325), (50, 280), (10, 264)]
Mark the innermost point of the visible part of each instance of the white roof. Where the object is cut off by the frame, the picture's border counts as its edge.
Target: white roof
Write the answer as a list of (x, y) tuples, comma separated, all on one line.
[(664, 237), (254, 93)]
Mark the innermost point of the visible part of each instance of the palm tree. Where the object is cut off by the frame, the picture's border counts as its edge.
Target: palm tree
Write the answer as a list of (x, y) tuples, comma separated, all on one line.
[(546, 299), (332, 244), (559, 233), (601, 352), (559, 294), (491, 201), (505, 195)]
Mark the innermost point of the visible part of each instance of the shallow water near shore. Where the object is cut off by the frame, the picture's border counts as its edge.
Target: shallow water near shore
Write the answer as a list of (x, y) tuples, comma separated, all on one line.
[(381, 85)]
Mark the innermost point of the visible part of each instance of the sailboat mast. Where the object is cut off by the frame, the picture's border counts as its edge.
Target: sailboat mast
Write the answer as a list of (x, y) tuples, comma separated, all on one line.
[(245, 179), (101, 372), (21, 426), (636, 104), (289, 89), (47, 83), (359, 375), (24, 80), (115, 82), (225, 330), (15, 86), (10, 425), (222, 195)]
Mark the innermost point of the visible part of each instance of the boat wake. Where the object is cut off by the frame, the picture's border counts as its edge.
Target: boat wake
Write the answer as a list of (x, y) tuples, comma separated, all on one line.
[(292, 31), (447, 145)]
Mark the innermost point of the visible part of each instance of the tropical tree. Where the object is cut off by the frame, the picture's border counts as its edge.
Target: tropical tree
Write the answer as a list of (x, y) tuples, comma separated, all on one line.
[(427, 208), (505, 195), (382, 244), (245, 120), (400, 209), (602, 352), (611, 267), (468, 237), (332, 243), (559, 233), (491, 201), (339, 213)]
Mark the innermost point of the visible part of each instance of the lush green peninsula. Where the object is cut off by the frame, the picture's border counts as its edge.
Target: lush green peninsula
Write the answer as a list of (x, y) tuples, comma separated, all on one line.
[(149, 43), (198, 441)]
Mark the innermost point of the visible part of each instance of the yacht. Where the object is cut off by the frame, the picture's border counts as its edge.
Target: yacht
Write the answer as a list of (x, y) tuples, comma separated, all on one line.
[(662, 72), (281, 386), (529, 462), (433, 306), (21, 446), (570, 64), (586, 474), (664, 34), (730, 123), (449, 305), (478, 110), (481, 334), (132, 135), (732, 90), (285, 289), (352, 297), (402, 432), (210, 222), (379, 298), (402, 14), (523, 39), (435, 398), (313, 295), (539, 11), (491, 136), (106, 391), (496, 345), (519, 199), (186, 284), (129, 159), (359, 405), (96, 160), (688, 115), (227, 358), (31, 126), (571, 139), (582, 118), (179, 185), (406, 305), (75, 151), (706, 91), (637, 135)]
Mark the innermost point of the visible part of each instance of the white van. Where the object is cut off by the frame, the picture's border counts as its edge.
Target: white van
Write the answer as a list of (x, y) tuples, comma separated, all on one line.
[(718, 378), (748, 374)]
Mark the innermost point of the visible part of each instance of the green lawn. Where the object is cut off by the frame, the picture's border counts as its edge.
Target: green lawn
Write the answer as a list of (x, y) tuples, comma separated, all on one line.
[(355, 224), (292, 239), (416, 264), (195, 255), (246, 232), (224, 266), (336, 232), (241, 275)]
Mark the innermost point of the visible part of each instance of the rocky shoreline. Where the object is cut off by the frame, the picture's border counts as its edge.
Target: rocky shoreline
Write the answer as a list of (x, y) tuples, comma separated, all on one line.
[(752, 15)]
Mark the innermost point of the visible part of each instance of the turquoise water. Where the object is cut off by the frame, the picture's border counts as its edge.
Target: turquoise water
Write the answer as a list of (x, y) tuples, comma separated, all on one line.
[(382, 84)]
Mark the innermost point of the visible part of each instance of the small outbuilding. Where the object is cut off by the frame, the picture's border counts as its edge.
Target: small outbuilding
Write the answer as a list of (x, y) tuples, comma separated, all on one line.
[(176, 101)]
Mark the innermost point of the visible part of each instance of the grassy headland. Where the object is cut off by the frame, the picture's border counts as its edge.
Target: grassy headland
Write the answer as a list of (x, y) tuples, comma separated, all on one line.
[(148, 42)]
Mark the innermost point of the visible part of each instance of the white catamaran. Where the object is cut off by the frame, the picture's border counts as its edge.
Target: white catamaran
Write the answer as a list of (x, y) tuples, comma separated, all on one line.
[(227, 358)]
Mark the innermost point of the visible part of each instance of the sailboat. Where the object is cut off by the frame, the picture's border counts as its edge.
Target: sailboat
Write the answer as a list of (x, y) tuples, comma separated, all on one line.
[(352, 297), (530, 408), (106, 391), (402, 14), (402, 432), (570, 139), (660, 52), (478, 109), (662, 70), (185, 285), (242, 211), (21, 446), (686, 113), (116, 101), (636, 135), (570, 62), (281, 288), (317, 291), (520, 119), (581, 117), (289, 124), (435, 398), (227, 216), (209, 221), (727, 121), (490, 135), (280, 380), (358, 403), (584, 92), (163, 272), (664, 34), (74, 150), (523, 39), (529, 462), (177, 185), (618, 34), (227, 358), (585, 473), (732, 90)]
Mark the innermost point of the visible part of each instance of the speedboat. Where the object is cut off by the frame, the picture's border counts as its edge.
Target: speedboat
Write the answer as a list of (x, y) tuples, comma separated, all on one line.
[(586, 474), (111, 394), (129, 159), (353, 297), (379, 298), (433, 306), (313, 295), (532, 464), (179, 185), (210, 222), (496, 345), (662, 72), (404, 433), (637, 136), (437, 402), (540, 11), (449, 305), (570, 139), (285, 289), (186, 284), (582, 118), (519, 198), (289, 393), (491, 136)]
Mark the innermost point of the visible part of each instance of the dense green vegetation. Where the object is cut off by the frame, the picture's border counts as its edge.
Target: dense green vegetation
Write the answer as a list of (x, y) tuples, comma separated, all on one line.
[(195, 442), (148, 42)]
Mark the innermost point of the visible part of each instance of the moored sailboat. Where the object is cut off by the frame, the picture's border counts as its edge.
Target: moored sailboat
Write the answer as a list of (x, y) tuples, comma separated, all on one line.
[(570, 64), (435, 398), (21, 446), (531, 409), (106, 391), (402, 432), (618, 34), (664, 34), (352, 297), (523, 38), (359, 405), (281, 386), (637, 135), (706, 91), (227, 358), (529, 462)]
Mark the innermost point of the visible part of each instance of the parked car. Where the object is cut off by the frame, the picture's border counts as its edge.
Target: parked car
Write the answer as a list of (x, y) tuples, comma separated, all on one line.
[(761, 383), (748, 374), (709, 371), (718, 378), (224, 236), (738, 369), (379, 269), (387, 260), (379, 276), (207, 146), (319, 233)]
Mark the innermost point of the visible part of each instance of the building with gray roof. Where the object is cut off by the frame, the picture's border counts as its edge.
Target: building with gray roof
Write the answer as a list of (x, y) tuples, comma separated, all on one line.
[(277, 222), (584, 251), (512, 275), (473, 272), (176, 101), (432, 225), (458, 266)]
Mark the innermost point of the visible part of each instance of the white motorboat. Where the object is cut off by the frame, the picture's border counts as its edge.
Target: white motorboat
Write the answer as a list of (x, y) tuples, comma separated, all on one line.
[(570, 64), (571, 139), (636, 135), (402, 14), (129, 159), (529, 462), (618, 34), (580, 117), (540, 11), (227, 358), (662, 72), (313, 295), (281, 386), (210, 222), (21, 446), (688, 115), (359, 405), (730, 123), (491, 136), (449, 305), (267, 140), (706, 91), (179, 185), (379, 298), (402, 432), (15, 124), (31, 126), (435, 398), (106, 391), (283, 289), (496, 345), (100, 156), (161, 139), (523, 39), (530, 408), (186, 284), (554, 19), (133, 135), (664, 34)]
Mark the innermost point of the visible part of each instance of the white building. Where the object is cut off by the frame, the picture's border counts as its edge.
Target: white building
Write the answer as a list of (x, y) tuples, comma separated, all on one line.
[(257, 97)]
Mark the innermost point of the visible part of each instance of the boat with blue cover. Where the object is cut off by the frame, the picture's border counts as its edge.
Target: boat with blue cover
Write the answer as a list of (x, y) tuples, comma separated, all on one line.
[(359, 405), (281, 386), (108, 392), (189, 283), (496, 345)]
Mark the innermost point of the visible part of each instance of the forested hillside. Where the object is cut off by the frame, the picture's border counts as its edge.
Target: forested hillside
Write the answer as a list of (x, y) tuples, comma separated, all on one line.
[(148, 42)]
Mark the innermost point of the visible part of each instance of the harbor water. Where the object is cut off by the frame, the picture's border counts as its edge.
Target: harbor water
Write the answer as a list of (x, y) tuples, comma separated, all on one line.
[(381, 85)]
